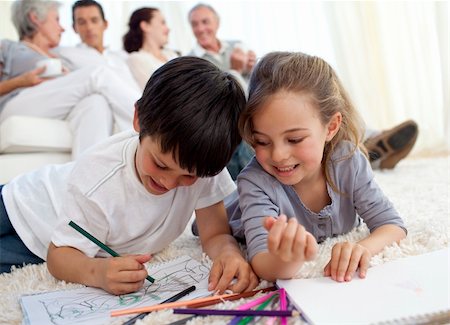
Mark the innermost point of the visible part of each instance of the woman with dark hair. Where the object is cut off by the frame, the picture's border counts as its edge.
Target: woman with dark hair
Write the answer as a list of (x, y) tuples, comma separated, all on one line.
[(145, 40), (90, 100)]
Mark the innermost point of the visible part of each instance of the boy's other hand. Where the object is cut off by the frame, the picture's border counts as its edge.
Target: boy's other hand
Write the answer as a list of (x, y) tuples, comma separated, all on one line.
[(123, 274), (231, 271)]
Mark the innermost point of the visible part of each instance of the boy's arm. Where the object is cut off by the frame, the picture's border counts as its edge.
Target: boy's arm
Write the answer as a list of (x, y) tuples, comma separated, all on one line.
[(116, 275), (219, 244)]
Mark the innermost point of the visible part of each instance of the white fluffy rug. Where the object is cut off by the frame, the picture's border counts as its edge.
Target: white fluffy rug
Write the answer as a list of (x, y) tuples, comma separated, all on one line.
[(419, 189)]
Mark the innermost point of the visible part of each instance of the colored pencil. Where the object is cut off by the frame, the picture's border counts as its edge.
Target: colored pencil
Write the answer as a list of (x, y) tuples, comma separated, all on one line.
[(251, 304), (219, 299), (194, 303), (100, 244), (283, 305), (233, 312), (248, 319), (176, 297), (183, 321), (256, 302)]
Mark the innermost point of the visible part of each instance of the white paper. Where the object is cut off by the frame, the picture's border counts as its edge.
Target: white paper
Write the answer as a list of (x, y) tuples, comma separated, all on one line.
[(93, 306), (399, 290)]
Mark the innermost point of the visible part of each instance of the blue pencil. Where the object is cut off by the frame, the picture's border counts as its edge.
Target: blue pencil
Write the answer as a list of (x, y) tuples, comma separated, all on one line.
[(230, 312)]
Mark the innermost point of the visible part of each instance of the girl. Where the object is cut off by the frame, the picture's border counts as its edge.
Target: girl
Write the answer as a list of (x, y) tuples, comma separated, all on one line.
[(145, 40), (310, 179)]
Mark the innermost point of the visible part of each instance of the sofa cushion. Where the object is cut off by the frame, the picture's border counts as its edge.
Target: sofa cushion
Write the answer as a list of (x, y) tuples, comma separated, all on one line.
[(14, 164), (34, 134)]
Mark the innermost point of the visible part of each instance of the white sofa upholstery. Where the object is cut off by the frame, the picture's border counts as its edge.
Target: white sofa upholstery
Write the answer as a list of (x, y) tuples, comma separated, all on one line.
[(27, 143)]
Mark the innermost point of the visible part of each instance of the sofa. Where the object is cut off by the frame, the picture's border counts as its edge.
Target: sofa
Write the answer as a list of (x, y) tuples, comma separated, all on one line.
[(27, 143)]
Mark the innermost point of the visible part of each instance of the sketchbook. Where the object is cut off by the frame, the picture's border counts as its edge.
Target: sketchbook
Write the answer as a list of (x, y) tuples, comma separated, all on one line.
[(410, 290), (93, 306)]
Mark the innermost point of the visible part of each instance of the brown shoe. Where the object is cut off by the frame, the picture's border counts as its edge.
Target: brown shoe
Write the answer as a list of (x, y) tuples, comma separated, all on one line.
[(390, 146)]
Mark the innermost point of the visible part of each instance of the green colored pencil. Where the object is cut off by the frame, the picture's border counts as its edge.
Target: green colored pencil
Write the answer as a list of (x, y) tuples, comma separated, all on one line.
[(248, 319), (99, 243)]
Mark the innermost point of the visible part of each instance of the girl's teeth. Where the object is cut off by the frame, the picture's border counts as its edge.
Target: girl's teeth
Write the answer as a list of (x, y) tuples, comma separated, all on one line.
[(285, 169)]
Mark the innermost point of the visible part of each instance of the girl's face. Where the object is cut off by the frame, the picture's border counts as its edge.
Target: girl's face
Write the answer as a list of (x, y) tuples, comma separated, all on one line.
[(157, 29), (289, 137), (50, 28)]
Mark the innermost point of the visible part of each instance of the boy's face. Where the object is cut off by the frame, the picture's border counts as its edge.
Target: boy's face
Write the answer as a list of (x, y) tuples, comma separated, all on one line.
[(158, 171)]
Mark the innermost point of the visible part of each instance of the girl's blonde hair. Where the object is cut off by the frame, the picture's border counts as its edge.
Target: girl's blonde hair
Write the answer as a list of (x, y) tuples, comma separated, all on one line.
[(311, 75)]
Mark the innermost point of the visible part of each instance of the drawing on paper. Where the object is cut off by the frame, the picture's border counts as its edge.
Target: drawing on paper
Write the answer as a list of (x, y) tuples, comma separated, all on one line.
[(65, 307)]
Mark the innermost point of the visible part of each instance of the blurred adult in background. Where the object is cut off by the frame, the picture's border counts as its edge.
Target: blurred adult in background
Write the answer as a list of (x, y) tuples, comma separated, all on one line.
[(229, 56), (90, 99), (26, 79), (386, 148), (145, 40), (89, 22)]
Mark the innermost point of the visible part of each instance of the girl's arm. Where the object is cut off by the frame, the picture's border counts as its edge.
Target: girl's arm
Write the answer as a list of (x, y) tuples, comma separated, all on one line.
[(116, 275), (347, 257), (378, 213), (228, 262), (289, 246), (381, 237)]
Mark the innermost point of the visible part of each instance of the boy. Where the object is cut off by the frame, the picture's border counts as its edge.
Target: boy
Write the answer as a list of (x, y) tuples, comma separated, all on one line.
[(137, 193)]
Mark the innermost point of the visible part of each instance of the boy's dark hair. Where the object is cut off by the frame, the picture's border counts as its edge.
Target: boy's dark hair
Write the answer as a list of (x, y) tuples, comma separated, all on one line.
[(192, 108), (86, 3)]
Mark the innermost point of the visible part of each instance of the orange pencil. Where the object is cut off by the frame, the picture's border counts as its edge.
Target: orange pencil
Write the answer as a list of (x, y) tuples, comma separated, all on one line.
[(189, 303)]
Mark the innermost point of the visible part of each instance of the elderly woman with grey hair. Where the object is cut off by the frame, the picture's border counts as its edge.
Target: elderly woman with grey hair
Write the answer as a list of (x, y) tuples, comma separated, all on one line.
[(92, 100)]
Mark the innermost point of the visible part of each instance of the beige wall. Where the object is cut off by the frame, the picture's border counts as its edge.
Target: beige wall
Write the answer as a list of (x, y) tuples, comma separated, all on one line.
[(6, 27)]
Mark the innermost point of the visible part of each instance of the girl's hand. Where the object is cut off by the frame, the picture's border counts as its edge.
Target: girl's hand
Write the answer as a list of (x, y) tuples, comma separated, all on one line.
[(231, 271), (289, 240), (121, 275), (345, 259)]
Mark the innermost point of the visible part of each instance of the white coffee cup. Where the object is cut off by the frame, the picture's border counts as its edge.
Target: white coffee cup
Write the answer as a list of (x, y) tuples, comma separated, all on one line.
[(53, 67)]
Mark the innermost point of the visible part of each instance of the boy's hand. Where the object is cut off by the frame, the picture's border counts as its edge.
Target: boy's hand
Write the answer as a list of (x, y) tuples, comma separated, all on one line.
[(125, 274), (231, 271), (345, 259), (289, 240)]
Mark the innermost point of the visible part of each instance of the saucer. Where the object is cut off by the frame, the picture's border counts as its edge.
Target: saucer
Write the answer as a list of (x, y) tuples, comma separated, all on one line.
[(50, 75)]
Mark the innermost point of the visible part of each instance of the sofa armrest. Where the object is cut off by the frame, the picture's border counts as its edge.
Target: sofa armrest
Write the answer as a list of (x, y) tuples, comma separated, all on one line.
[(20, 134)]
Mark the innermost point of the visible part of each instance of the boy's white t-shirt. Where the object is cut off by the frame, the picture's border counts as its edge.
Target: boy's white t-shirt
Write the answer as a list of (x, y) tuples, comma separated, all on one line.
[(102, 193)]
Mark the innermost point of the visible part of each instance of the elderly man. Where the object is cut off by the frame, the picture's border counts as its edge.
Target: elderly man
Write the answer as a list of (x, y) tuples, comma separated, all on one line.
[(227, 55), (385, 148)]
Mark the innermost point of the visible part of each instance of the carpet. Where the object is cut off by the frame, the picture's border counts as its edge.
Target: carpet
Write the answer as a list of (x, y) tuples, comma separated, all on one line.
[(419, 189)]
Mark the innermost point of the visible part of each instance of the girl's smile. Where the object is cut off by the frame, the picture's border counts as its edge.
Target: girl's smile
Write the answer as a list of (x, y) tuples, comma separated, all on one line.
[(289, 137)]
